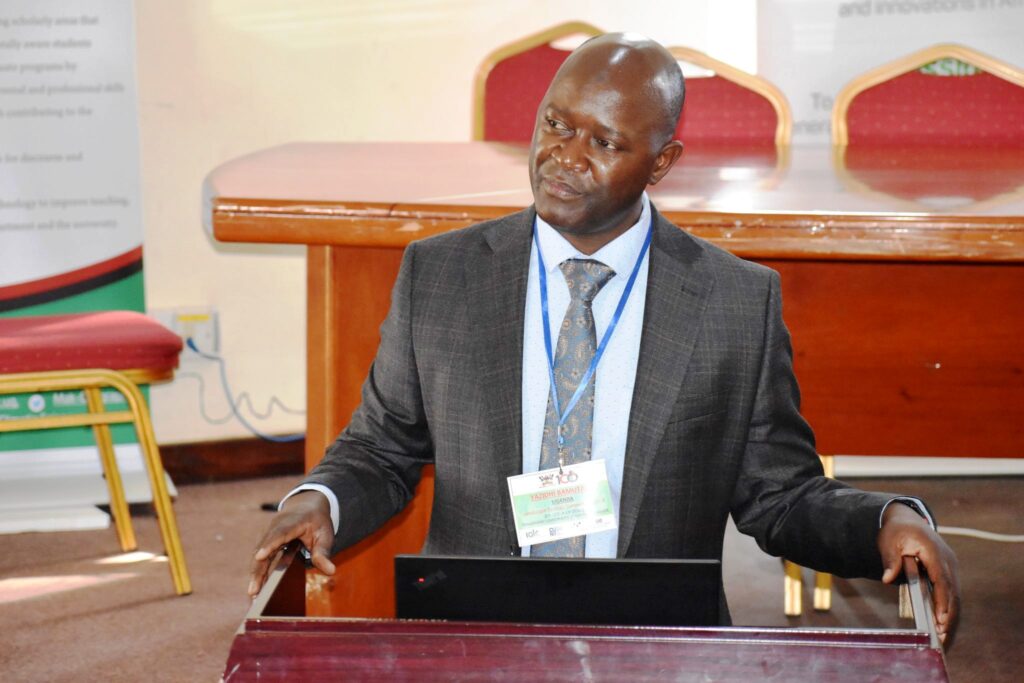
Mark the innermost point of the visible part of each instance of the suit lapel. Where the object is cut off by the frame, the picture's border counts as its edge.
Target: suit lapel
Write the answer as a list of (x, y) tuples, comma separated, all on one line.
[(496, 288), (678, 285)]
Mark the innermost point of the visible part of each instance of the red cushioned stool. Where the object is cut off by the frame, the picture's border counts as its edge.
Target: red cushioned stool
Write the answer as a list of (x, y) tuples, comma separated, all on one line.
[(88, 352)]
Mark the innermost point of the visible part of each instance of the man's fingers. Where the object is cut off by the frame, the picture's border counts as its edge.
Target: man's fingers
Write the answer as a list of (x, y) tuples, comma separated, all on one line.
[(321, 562), (945, 594), (257, 577), (321, 550), (277, 537), (307, 519), (268, 547), (892, 564), (305, 516)]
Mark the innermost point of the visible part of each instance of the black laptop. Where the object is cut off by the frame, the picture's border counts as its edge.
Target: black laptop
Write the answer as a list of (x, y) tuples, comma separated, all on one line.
[(558, 591)]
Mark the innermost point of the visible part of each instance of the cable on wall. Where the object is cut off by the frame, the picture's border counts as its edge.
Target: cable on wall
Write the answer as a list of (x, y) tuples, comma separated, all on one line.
[(235, 403)]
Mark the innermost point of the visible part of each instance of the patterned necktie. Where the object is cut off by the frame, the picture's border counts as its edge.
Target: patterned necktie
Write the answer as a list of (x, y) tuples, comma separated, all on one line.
[(577, 343)]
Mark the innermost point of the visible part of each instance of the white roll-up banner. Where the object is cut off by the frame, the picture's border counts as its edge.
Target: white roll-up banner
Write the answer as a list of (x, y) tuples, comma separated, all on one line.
[(70, 214), (810, 49)]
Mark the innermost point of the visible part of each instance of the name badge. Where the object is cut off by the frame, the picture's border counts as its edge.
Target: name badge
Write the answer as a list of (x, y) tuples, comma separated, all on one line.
[(550, 505)]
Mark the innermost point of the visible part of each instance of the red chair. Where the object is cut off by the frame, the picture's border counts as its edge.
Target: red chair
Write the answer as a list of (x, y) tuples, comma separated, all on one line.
[(726, 107), (945, 95), (88, 352), (512, 80), (730, 107)]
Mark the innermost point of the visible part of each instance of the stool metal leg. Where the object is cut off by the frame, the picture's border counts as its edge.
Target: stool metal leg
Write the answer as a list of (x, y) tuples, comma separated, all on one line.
[(158, 484), (822, 591), (90, 381), (823, 581), (793, 589), (161, 499), (118, 503)]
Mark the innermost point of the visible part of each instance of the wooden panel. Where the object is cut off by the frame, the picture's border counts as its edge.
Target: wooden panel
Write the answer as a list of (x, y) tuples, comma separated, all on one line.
[(348, 296), (350, 293), (817, 235), (909, 358)]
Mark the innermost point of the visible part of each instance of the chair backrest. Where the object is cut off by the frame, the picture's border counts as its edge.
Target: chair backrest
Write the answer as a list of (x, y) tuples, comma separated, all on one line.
[(946, 95), (730, 106), (512, 80)]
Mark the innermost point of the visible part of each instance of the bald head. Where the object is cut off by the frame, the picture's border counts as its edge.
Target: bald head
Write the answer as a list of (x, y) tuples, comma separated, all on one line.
[(637, 67), (603, 134)]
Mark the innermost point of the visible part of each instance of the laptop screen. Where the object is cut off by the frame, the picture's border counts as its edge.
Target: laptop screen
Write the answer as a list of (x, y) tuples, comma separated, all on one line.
[(558, 591)]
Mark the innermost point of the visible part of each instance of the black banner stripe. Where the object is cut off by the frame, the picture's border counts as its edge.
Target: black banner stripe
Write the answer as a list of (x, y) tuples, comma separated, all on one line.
[(72, 289)]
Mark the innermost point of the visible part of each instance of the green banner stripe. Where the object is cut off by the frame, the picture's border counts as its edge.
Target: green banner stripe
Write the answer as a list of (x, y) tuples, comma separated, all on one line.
[(63, 293), (126, 294)]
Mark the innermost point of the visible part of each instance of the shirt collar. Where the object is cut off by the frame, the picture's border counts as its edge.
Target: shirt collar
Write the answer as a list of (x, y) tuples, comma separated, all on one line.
[(620, 254)]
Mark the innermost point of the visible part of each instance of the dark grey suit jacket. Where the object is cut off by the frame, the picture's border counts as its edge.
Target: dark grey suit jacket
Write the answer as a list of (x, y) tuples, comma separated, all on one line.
[(714, 426)]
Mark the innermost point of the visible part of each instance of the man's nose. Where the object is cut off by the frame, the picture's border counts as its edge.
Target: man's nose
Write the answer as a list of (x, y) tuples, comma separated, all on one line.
[(570, 155)]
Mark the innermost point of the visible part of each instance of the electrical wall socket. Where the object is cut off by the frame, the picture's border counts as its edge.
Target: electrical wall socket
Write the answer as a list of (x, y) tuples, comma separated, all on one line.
[(198, 323)]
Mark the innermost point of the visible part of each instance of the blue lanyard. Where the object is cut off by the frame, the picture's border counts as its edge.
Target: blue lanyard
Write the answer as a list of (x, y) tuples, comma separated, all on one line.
[(562, 417)]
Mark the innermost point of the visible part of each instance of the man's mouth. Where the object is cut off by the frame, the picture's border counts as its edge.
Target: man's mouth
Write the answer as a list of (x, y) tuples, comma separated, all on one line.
[(559, 188)]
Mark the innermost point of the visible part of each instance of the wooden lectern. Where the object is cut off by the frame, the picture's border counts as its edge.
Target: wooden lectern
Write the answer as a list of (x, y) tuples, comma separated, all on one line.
[(277, 642)]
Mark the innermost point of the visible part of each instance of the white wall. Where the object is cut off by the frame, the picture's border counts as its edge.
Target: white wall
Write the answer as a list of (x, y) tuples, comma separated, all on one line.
[(220, 78)]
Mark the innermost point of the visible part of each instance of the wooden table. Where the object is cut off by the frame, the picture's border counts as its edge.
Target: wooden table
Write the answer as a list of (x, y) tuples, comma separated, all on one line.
[(278, 641), (902, 276)]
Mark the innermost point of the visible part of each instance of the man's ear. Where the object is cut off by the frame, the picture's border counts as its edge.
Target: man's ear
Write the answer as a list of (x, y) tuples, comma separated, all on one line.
[(667, 157)]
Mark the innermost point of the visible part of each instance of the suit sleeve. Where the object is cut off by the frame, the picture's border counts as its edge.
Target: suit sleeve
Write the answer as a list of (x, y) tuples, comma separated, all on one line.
[(374, 465), (781, 497)]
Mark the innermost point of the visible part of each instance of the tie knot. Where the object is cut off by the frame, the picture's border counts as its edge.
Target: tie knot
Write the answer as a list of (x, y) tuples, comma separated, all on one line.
[(585, 277)]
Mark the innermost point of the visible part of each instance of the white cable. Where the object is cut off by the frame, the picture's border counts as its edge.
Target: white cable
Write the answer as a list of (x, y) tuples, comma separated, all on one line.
[(202, 400), (983, 535), (244, 399), (222, 366)]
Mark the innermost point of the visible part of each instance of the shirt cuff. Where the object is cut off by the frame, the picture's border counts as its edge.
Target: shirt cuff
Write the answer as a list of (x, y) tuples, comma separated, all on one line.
[(331, 499), (915, 504)]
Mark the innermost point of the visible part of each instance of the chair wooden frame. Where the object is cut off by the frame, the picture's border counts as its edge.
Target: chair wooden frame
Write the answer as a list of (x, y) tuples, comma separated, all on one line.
[(898, 67), (793, 582), (783, 112), (91, 381), (505, 51)]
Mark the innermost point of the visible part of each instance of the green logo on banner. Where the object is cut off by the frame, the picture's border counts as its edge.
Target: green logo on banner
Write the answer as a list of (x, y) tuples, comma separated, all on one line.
[(949, 66), (60, 403)]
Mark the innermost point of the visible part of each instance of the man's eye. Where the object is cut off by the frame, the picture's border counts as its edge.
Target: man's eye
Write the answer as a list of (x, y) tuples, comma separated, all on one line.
[(557, 125), (607, 144)]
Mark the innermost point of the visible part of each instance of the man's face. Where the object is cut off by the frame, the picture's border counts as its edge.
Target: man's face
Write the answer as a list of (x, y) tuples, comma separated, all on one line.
[(594, 152)]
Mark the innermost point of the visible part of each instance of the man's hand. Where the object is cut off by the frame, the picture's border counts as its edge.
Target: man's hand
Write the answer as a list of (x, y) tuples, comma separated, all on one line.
[(905, 533), (305, 516)]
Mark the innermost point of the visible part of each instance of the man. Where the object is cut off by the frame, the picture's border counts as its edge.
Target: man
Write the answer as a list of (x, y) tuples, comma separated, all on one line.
[(688, 406)]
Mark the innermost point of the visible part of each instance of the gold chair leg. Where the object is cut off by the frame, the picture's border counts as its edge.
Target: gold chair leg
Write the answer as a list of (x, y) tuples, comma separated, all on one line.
[(161, 499), (823, 581), (118, 502), (822, 591), (793, 587), (828, 463)]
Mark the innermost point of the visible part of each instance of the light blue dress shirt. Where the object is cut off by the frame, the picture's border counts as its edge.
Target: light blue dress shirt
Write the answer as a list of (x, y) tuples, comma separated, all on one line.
[(616, 373)]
